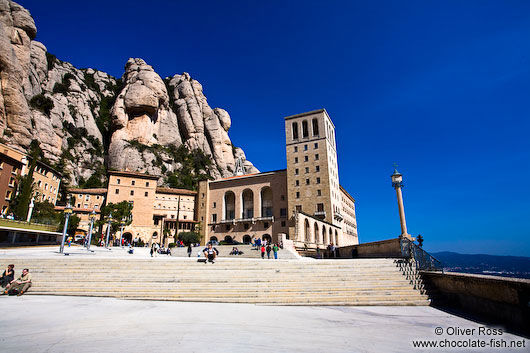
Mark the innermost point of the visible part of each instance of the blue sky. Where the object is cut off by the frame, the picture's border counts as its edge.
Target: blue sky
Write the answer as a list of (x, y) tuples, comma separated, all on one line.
[(441, 88)]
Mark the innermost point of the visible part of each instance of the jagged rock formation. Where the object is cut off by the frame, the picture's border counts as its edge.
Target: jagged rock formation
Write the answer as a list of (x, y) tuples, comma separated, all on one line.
[(78, 115)]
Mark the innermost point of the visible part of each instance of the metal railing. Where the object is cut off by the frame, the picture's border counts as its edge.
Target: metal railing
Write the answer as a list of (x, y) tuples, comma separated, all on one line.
[(422, 259)]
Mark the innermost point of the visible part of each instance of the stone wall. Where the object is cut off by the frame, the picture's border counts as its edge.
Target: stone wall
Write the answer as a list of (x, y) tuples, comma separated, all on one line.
[(499, 300), (383, 248)]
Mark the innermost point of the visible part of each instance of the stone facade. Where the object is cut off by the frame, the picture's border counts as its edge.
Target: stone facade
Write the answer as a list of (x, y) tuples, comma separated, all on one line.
[(244, 207), (306, 205), (14, 164)]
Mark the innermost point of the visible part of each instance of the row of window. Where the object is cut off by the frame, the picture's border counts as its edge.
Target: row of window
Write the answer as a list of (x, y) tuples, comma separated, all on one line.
[(306, 147), (305, 129), (306, 158), (133, 182), (117, 192), (297, 171)]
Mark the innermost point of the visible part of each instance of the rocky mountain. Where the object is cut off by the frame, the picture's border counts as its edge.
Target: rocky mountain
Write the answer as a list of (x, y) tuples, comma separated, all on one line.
[(86, 120)]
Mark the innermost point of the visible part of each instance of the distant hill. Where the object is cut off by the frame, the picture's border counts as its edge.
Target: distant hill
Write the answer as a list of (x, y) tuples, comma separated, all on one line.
[(507, 266)]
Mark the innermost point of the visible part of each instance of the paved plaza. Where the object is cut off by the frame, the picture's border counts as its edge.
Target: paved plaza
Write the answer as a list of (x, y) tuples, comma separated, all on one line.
[(76, 324)]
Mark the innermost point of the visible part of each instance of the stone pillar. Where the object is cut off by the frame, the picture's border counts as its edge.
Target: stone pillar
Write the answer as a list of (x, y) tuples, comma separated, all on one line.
[(397, 183)]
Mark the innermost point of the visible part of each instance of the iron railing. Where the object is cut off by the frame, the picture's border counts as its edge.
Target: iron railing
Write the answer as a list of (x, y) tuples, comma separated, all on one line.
[(422, 259)]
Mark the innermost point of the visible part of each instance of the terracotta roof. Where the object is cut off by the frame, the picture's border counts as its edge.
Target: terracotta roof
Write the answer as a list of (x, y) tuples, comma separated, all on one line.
[(93, 191), (77, 209), (133, 174), (175, 191)]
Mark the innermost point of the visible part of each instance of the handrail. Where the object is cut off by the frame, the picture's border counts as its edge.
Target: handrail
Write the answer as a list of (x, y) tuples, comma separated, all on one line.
[(423, 260)]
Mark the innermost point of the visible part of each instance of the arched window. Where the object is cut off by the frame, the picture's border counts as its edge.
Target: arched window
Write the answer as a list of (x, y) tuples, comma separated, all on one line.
[(266, 202), (267, 237), (305, 129), (248, 204), (295, 131), (307, 231), (246, 239), (336, 238), (324, 236), (228, 239), (230, 205), (317, 234), (315, 127), (330, 236)]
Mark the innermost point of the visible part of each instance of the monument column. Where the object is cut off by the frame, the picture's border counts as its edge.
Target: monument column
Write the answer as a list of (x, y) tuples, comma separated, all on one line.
[(397, 183)]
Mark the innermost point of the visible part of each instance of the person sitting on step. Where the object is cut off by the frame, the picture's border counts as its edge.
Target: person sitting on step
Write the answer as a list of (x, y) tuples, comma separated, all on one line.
[(21, 284), (210, 253)]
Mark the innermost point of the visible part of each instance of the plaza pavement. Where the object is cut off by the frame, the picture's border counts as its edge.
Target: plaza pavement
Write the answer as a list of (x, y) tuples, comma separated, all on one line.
[(72, 324)]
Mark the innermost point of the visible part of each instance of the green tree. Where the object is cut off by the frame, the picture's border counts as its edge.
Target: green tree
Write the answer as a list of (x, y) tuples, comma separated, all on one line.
[(45, 213), (119, 211), (189, 237), (26, 186), (73, 223)]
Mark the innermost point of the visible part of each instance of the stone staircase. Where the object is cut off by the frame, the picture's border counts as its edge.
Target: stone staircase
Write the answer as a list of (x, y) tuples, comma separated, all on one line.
[(272, 282)]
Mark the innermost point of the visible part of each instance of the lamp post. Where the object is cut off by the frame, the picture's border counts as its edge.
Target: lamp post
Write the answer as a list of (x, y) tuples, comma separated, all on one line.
[(30, 210), (122, 225), (108, 231), (92, 217), (67, 213), (397, 183)]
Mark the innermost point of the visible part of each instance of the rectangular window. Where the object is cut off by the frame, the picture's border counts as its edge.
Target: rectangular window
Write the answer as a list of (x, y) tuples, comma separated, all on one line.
[(305, 147), (298, 208), (296, 148), (319, 192), (132, 192), (214, 217), (307, 181), (11, 181), (133, 182), (306, 170), (78, 205), (315, 127), (297, 183), (117, 191), (316, 157), (306, 158), (8, 194), (295, 131), (283, 212), (316, 145), (214, 205), (296, 171), (317, 169), (282, 197), (318, 180), (298, 194), (146, 194), (320, 207), (283, 223), (296, 159), (146, 184), (118, 181)]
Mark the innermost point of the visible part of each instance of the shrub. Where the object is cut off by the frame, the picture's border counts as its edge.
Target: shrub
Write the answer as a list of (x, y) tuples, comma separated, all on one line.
[(189, 237), (51, 59), (41, 103)]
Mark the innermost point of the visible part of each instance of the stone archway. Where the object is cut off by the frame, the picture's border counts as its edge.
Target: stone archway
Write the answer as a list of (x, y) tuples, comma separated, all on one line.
[(213, 239), (127, 237), (267, 237), (246, 239), (228, 239)]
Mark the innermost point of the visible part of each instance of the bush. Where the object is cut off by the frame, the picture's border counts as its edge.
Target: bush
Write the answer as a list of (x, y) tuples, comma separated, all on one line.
[(189, 237), (51, 59), (42, 103), (172, 245)]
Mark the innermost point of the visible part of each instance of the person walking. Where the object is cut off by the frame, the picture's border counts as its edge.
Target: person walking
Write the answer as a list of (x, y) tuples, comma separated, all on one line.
[(269, 252), (189, 250), (262, 251), (275, 251)]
